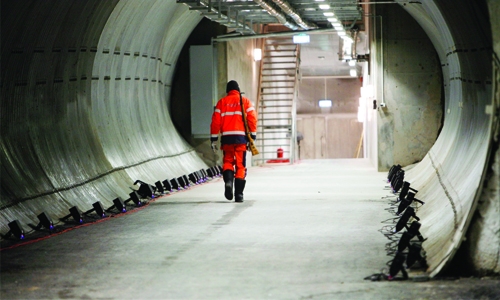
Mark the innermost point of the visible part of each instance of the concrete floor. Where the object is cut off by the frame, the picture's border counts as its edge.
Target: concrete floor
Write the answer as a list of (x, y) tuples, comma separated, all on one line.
[(305, 231)]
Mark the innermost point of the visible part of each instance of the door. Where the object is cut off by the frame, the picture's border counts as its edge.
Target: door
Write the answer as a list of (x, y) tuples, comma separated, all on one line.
[(329, 136)]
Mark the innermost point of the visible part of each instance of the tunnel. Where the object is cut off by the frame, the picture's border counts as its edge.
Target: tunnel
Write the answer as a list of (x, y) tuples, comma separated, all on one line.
[(91, 91)]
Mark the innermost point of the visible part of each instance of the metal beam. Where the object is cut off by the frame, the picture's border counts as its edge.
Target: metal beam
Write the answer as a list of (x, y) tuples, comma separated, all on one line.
[(276, 34)]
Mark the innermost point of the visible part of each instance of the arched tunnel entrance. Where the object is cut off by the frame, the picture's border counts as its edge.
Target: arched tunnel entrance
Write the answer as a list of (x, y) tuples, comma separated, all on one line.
[(89, 91)]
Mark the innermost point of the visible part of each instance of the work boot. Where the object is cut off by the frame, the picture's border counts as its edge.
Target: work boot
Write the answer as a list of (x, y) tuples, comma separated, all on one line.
[(228, 176), (239, 186)]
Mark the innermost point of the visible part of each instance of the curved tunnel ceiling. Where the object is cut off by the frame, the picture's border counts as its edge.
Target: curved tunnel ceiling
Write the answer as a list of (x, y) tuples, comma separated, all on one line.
[(85, 87)]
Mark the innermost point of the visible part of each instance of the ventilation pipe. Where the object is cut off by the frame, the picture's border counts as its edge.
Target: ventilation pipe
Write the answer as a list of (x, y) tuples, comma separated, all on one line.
[(285, 6), (278, 15)]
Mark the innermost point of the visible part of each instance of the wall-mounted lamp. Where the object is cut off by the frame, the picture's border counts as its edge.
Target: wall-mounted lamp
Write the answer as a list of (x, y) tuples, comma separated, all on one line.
[(361, 114), (325, 103), (301, 38), (257, 54)]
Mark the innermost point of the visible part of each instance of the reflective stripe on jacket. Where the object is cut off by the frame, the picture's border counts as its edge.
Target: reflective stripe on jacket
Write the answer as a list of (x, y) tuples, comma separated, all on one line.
[(228, 121)]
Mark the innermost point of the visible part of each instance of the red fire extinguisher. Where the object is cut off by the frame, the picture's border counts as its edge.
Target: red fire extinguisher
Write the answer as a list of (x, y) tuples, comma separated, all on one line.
[(279, 152)]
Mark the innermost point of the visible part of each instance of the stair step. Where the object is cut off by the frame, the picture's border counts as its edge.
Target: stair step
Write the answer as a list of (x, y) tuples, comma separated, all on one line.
[(274, 126), (280, 62), (284, 80), (268, 106), (277, 93), (280, 44), (281, 51), (289, 97), (277, 69), (284, 130), (279, 56)]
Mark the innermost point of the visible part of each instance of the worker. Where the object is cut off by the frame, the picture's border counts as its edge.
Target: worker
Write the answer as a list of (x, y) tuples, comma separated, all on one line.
[(227, 120)]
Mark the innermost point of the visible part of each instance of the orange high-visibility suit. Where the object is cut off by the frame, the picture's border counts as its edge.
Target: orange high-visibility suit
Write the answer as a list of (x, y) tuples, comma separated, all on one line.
[(227, 120)]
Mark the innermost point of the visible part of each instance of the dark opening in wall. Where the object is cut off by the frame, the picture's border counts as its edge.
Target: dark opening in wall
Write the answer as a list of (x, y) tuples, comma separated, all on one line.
[(180, 106)]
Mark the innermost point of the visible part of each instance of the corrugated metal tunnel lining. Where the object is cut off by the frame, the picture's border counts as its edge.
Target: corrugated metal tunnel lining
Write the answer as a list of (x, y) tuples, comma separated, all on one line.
[(449, 177), (85, 91), (85, 88)]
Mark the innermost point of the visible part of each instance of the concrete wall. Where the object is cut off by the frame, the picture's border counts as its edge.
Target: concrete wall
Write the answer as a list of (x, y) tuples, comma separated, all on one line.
[(332, 132), (242, 68), (344, 93), (409, 124)]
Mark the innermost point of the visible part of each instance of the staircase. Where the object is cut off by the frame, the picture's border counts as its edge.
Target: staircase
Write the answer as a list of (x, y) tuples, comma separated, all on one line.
[(276, 105)]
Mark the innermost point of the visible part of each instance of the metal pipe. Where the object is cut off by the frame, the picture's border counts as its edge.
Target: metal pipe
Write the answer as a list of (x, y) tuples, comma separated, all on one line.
[(277, 14), (327, 77), (289, 10), (392, 2)]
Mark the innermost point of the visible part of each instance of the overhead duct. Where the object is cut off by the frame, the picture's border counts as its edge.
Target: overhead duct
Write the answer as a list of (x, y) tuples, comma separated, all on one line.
[(285, 6), (278, 15)]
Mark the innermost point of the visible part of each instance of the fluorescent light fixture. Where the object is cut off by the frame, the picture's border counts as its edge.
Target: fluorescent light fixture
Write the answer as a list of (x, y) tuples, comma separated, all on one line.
[(338, 28), (324, 6), (367, 91), (361, 114), (336, 23), (352, 63), (301, 39), (341, 33), (332, 20), (348, 39), (353, 73), (257, 54), (325, 103), (319, 0), (328, 14)]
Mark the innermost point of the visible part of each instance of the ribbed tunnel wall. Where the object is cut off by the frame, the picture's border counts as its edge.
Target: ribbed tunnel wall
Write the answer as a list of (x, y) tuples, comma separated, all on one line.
[(450, 176), (85, 91), (84, 108)]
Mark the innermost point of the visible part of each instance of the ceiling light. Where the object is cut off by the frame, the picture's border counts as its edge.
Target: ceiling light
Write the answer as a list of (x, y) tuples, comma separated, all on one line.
[(324, 6), (336, 23), (257, 54), (325, 103), (338, 28), (328, 14), (319, 0), (333, 19), (353, 73), (301, 39), (352, 63), (341, 33)]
